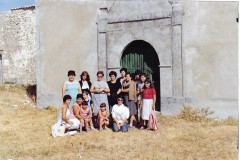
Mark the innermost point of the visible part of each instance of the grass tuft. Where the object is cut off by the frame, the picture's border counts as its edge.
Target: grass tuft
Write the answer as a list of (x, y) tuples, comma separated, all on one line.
[(191, 114), (231, 121), (51, 108)]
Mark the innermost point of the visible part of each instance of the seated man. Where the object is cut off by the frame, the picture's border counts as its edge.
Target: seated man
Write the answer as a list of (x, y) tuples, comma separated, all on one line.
[(120, 114)]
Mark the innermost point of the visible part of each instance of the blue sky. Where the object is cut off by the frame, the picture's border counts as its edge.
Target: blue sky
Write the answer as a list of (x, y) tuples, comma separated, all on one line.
[(6, 5)]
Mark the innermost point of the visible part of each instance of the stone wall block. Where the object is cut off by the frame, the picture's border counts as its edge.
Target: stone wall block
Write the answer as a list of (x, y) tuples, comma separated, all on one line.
[(177, 14), (18, 43), (177, 61)]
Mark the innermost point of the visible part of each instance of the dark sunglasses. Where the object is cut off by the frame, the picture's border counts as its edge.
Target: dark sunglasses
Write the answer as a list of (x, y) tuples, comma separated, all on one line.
[(120, 99)]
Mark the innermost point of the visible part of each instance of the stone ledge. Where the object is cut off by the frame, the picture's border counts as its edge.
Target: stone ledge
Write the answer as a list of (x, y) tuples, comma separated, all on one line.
[(138, 24)]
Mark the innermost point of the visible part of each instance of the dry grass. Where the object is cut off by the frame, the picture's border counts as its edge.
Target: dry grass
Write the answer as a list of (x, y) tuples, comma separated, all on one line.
[(189, 113), (25, 134)]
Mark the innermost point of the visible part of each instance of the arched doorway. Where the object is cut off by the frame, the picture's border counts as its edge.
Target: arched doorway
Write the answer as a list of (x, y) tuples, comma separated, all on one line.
[(141, 55)]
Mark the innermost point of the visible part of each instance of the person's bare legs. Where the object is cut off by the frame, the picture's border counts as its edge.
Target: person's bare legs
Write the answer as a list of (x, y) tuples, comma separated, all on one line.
[(131, 120), (87, 124), (100, 123), (105, 124), (81, 124), (95, 121), (91, 123)]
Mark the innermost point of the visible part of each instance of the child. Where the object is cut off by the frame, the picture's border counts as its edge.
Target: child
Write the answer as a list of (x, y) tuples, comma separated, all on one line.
[(103, 117), (147, 102), (90, 106), (85, 116)]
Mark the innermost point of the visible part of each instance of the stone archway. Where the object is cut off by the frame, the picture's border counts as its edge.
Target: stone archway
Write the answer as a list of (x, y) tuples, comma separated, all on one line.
[(141, 55), (164, 33)]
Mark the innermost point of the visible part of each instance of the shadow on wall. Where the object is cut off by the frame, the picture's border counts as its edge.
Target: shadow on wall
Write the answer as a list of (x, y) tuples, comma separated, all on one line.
[(31, 91)]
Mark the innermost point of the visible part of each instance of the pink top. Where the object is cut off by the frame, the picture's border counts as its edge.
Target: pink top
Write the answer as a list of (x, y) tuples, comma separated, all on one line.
[(84, 114), (148, 93)]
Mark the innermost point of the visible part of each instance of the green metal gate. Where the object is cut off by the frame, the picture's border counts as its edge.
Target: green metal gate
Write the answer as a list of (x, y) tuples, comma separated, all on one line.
[(140, 55), (134, 61)]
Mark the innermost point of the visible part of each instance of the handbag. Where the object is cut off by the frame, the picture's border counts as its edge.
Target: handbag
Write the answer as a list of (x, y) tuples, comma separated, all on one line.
[(152, 123)]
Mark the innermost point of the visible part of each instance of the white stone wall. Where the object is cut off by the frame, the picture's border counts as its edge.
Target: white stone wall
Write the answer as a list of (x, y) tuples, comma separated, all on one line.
[(67, 41), (138, 9), (210, 55), (18, 42), (207, 33)]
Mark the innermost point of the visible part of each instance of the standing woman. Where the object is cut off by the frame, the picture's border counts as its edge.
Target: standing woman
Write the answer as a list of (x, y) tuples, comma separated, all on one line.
[(71, 87), (85, 83), (130, 96), (100, 89), (115, 89), (140, 85), (123, 72), (148, 101)]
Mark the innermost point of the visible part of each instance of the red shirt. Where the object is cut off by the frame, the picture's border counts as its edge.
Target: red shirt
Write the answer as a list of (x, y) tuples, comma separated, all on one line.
[(148, 93)]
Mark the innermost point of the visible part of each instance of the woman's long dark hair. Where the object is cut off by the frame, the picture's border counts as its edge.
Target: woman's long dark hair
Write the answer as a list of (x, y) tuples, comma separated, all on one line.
[(85, 73), (147, 81)]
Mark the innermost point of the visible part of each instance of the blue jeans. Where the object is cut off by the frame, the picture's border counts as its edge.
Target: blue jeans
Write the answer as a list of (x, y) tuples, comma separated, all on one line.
[(123, 128)]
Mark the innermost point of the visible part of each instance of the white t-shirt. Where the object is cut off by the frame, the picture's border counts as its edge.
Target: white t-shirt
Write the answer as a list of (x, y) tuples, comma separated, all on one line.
[(85, 85), (120, 112)]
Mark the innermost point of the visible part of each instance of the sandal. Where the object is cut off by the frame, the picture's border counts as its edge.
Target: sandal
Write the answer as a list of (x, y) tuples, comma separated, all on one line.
[(141, 128)]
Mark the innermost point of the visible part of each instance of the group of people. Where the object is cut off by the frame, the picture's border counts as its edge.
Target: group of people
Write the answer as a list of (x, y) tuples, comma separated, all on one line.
[(116, 103)]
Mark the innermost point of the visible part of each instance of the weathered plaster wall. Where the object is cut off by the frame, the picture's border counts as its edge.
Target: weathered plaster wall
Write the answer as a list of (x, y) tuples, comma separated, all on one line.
[(67, 41), (210, 54), (2, 15), (126, 21), (138, 10), (17, 40), (1, 46)]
